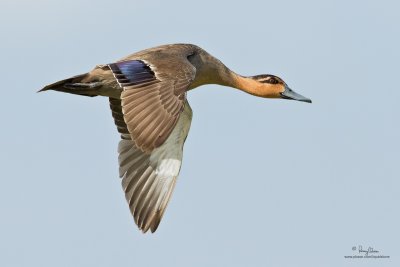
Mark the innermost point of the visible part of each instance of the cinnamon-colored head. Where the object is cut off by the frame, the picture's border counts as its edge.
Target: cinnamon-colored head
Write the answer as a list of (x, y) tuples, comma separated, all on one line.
[(271, 86)]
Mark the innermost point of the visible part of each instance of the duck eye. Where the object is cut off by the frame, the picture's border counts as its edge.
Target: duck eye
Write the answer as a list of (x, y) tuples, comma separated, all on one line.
[(272, 80)]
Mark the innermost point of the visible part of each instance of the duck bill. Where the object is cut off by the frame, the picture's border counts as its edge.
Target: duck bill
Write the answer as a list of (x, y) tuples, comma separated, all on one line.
[(292, 95)]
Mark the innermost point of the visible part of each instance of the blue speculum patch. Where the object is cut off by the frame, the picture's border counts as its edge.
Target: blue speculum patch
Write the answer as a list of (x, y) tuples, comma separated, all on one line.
[(132, 72)]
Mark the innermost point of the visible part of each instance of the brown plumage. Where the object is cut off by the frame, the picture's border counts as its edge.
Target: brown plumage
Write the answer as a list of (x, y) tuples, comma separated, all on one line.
[(147, 92)]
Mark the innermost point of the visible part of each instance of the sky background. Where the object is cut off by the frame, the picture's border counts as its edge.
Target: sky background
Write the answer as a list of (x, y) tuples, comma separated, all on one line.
[(263, 183)]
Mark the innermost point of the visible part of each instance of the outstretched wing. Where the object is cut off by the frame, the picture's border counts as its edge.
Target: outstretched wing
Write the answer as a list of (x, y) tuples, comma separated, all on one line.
[(153, 97), (149, 179)]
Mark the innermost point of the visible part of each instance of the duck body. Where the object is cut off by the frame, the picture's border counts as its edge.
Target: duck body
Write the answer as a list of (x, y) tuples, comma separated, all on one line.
[(147, 93)]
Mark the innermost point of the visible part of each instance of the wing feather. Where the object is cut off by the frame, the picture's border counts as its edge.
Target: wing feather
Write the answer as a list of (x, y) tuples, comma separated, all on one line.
[(148, 179), (151, 90), (153, 118)]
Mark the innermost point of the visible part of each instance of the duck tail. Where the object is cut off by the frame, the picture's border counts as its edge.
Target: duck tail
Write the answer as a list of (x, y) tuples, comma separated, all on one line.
[(78, 85)]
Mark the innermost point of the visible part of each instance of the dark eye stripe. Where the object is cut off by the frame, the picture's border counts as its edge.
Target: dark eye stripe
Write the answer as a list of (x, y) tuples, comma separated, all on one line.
[(270, 80), (267, 78)]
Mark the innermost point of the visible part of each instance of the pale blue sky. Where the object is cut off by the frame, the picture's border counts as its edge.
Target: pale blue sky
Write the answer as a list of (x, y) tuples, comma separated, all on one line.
[(264, 182)]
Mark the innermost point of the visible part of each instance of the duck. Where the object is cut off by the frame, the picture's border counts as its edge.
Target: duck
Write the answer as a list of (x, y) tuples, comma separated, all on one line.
[(147, 94)]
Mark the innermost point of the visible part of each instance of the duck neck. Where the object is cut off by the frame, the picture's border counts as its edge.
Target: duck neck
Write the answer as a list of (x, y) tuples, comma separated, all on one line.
[(226, 77), (212, 71), (247, 85)]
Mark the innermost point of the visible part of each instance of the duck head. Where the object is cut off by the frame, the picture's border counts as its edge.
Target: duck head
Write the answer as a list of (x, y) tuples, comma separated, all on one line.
[(271, 86)]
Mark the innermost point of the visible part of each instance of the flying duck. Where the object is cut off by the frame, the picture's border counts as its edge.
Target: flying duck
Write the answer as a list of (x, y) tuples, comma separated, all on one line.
[(147, 95)]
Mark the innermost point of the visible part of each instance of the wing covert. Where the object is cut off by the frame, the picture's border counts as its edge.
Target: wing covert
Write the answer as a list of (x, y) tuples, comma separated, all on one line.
[(153, 97)]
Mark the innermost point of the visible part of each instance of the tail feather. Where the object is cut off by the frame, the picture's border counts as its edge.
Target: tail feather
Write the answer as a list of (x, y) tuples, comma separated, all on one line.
[(75, 85)]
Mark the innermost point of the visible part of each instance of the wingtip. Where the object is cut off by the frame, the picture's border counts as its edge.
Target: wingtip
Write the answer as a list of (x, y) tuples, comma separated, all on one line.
[(154, 225), (148, 226), (151, 225)]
